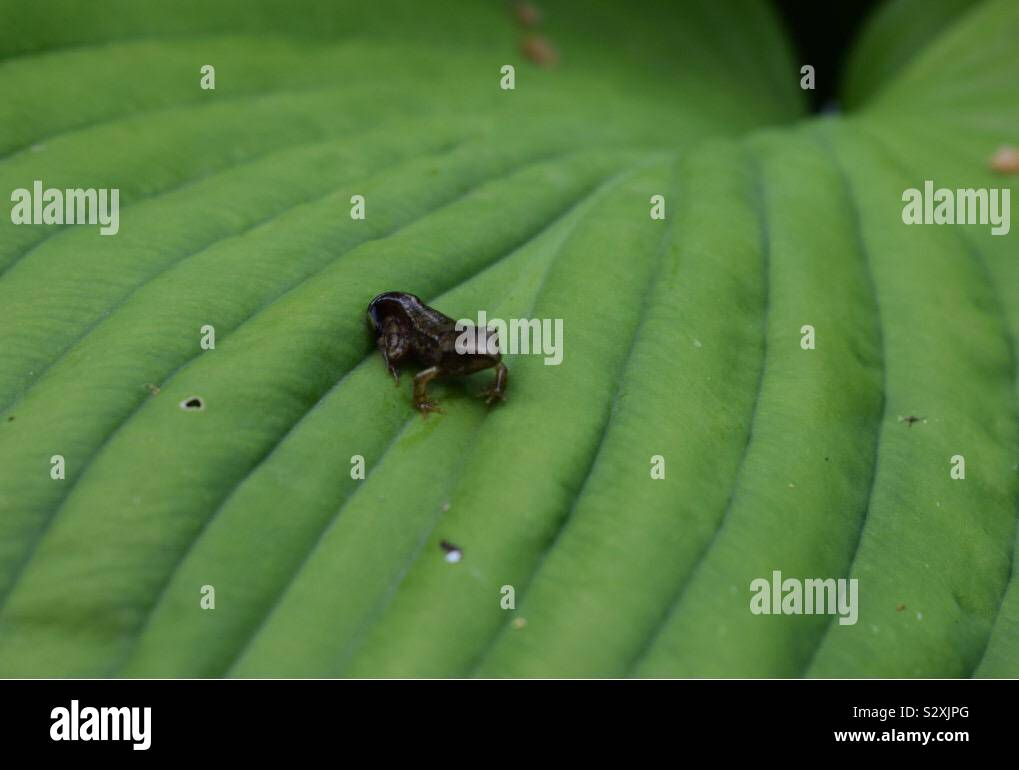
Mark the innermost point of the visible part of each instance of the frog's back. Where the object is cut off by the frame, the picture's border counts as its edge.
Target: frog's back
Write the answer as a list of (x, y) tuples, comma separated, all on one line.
[(428, 318)]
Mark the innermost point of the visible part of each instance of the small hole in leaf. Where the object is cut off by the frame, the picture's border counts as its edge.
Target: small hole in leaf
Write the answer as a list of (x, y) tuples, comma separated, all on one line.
[(453, 552), (192, 404)]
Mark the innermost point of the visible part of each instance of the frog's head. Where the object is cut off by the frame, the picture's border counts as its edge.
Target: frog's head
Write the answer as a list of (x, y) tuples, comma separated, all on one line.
[(389, 303)]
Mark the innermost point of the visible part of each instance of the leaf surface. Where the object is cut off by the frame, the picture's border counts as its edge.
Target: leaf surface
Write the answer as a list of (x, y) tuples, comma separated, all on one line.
[(681, 340)]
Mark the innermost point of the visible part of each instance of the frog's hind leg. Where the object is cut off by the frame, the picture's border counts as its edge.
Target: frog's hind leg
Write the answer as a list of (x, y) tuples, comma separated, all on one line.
[(421, 401), (497, 390), (393, 345)]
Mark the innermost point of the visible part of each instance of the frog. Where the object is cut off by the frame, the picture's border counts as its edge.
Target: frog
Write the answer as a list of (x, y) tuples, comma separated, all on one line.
[(405, 329)]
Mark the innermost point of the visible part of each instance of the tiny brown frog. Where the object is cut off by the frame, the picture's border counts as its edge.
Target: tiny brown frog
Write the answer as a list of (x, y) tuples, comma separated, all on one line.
[(406, 328)]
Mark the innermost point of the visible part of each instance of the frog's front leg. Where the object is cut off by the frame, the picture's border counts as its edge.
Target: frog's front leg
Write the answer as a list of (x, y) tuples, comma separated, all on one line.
[(393, 343), (497, 390), (421, 401)]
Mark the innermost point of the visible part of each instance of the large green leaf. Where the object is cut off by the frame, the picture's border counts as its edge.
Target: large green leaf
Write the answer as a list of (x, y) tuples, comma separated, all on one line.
[(682, 339)]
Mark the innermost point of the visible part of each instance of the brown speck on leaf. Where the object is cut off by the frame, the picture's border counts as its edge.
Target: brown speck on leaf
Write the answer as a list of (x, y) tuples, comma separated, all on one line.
[(539, 50), (528, 15), (193, 404), (1005, 160), (910, 420), (153, 389), (900, 607), (519, 623)]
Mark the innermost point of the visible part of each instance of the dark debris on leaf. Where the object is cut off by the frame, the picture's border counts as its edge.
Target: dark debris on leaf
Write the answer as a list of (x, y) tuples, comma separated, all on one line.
[(453, 552), (539, 50), (527, 14)]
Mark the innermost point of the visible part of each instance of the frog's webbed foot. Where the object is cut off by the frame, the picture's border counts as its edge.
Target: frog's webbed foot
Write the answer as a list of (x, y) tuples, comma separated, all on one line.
[(497, 390), (426, 407), (421, 401), (491, 395)]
